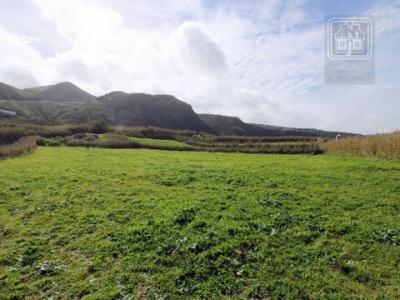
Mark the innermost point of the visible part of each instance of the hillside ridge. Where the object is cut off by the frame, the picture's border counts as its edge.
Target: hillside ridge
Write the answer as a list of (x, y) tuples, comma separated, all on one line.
[(65, 102)]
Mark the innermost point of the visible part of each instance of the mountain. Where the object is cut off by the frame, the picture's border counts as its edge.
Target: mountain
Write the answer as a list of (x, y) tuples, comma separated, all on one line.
[(225, 125), (65, 103), (60, 92), (138, 109), (9, 92)]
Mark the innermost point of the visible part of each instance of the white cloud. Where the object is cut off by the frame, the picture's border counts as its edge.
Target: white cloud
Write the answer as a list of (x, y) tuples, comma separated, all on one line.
[(261, 61), (387, 17), (197, 52), (18, 60)]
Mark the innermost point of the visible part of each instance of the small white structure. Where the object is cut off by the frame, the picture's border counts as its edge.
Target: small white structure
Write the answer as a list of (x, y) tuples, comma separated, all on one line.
[(8, 113), (338, 137)]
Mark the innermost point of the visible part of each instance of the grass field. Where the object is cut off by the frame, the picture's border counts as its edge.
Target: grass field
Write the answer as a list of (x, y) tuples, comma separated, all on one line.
[(147, 141), (158, 142), (128, 224)]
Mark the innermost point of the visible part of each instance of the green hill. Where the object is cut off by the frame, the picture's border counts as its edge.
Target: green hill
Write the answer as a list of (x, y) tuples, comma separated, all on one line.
[(151, 110), (65, 103), (8, 92), (60, 92), (225, 125)]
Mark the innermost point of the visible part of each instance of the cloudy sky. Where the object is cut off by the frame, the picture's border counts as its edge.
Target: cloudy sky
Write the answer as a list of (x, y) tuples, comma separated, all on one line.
[(263, 61)]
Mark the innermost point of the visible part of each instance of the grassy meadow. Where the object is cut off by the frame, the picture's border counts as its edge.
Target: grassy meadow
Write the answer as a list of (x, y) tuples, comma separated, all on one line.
[(135, 223), (158, 142)]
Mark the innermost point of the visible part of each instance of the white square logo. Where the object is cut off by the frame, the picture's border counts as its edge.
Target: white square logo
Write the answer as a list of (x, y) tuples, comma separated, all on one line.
[(349, 38), (349, 55)]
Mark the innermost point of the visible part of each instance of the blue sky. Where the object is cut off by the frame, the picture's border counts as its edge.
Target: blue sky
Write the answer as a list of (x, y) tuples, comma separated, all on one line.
[(260, 60)]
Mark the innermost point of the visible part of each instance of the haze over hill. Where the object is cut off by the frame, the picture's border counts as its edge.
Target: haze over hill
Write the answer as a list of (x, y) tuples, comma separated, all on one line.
[(8, 92), (64, 91), (60, 92), (66, 103)]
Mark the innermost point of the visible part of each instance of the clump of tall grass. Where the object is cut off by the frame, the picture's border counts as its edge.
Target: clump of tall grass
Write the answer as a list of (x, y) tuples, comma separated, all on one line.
[(20, 147), (155, 132), (289, 145), (254, 139), (10, 132), (114, 140), (122, 141), (379, 145)]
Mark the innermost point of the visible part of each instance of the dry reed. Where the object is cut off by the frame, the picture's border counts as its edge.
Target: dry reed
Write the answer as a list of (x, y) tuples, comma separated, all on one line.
[(379, 145), (20, 147)]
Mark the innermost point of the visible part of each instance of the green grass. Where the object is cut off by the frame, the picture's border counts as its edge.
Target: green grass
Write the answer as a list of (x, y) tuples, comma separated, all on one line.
[(158, 142), (147, 141), (122, 224)]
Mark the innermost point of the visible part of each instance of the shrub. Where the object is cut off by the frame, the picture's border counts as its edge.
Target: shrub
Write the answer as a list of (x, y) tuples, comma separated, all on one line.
[(51, 142), (100, 127), (22, 146), (10, 132)]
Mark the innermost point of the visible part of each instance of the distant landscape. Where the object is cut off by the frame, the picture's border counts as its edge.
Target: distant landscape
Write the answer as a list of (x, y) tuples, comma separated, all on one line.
[(167, 150), (188, 205), (65, 103), (65, 115)]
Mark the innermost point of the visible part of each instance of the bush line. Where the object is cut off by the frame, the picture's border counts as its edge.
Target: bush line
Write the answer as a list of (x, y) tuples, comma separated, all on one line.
[(20, 147)]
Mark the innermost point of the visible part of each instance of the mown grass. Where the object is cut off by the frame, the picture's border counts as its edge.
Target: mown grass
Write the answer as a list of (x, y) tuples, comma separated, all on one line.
[(122, 224), (379, 145)]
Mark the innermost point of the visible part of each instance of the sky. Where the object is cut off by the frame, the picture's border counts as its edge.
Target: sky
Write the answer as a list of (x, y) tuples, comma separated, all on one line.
[(263, 61)]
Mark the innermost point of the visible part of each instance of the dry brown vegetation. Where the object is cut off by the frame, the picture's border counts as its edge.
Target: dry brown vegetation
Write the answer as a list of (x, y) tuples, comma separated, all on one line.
[(11, 132), (252, 139), (262, 147), (20, 147), (155, 132), (122, 141), (85, 135), (379, 145)]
